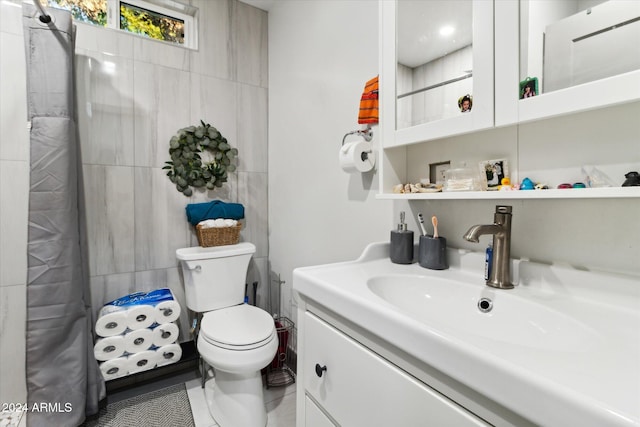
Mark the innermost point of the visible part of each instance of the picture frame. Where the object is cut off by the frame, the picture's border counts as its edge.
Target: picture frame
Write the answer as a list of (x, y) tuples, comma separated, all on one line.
[(465, 103), (493, 171), (529, 87), (437, 170)]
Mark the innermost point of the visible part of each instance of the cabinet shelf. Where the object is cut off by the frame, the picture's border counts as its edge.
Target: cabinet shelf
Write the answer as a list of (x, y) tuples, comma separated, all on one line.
[(561, 123), (573, 193)]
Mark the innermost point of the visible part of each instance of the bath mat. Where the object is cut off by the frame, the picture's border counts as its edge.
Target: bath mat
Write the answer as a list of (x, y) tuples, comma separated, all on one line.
[(168, 407)]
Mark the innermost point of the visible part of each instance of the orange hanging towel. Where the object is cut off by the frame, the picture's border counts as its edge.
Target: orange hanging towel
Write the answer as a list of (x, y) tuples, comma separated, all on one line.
[(369, 103)]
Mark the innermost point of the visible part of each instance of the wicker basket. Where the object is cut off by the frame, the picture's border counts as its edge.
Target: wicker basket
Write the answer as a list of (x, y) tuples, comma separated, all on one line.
[(218, 236)]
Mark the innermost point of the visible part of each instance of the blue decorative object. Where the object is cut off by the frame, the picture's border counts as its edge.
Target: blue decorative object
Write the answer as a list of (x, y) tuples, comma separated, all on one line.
[(527, 184)]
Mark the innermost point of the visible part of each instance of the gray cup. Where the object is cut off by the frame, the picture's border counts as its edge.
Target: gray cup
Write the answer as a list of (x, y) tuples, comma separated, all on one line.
[(432, 253)]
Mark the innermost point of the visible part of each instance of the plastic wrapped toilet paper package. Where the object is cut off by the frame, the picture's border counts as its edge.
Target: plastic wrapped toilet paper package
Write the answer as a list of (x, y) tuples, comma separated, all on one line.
[(137, 311), (140, 362), (137, 333), (357, 157)]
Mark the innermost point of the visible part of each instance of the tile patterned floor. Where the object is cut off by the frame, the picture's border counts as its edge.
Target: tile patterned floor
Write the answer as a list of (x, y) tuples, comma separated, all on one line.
[(280, 402), (12, 419)]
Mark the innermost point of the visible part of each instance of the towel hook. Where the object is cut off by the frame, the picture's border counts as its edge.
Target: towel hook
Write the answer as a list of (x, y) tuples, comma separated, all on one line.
[(366, 133)]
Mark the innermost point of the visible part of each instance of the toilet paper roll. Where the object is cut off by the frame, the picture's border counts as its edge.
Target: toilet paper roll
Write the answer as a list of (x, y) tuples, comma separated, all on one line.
[(112, 320), (142, 361), (166, 333), (109, 347), (168, 354), (140, 316), (114, 368), (167, 311), (138, 340), (357, 157)]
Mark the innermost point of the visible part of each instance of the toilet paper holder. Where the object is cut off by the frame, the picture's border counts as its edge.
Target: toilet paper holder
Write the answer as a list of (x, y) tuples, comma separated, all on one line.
[(366, 133)]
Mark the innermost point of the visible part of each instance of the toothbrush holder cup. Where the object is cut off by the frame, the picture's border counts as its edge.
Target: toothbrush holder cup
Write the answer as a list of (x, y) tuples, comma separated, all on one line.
[(432, 253)]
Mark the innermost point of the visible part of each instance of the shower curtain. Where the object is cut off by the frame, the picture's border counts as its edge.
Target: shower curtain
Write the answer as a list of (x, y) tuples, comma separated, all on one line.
[(64, 383)]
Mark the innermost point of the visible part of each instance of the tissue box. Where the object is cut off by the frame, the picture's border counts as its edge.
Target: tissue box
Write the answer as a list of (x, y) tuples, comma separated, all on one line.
[(218, 236)]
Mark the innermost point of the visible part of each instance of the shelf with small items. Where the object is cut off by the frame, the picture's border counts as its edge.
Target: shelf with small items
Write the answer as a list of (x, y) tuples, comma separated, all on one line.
[(570, 193)]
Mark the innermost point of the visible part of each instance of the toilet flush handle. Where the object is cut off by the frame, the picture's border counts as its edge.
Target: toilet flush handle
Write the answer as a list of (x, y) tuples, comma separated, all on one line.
[(196, 267)]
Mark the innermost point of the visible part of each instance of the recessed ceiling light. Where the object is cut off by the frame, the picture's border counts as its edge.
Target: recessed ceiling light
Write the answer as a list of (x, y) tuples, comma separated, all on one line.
[(447, 30)]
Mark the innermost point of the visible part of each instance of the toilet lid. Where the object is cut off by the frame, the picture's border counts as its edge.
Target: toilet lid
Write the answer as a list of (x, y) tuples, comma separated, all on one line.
[(240, 325)]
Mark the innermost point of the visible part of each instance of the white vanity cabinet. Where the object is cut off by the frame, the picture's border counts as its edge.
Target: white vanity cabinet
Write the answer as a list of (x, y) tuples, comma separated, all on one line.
[(346, 384), (588, 66)]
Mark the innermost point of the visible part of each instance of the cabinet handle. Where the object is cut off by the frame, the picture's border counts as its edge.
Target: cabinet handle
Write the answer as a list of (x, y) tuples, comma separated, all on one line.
[(320, 370)]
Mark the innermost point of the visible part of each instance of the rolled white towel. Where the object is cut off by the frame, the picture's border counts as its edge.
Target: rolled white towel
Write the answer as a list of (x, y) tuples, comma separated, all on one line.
[(208, 223), (220, 222)]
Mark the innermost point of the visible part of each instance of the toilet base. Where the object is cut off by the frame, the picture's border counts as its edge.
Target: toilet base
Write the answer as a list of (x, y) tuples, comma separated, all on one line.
[(236, 400)]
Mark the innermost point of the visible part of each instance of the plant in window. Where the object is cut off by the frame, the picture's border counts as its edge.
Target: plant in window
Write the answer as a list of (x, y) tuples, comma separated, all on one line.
[(154, 25), (89, 11), (200, 158)]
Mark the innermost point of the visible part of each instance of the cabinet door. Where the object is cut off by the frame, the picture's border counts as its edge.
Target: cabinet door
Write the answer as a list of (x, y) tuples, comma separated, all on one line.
[(359, 388), (436, 69), (573, 58), (313, 416)]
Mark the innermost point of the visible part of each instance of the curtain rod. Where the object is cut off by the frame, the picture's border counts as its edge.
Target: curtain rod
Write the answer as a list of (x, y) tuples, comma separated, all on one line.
[(44, 18)]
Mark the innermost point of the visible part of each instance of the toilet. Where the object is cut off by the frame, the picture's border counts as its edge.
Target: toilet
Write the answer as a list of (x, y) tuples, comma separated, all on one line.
[(236, 339)]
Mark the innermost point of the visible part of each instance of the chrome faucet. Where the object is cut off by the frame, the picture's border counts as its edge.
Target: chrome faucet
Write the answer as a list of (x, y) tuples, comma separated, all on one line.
[(500, 276)]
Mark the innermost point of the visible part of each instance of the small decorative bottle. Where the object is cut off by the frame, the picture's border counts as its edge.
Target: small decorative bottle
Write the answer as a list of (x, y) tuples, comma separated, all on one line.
[(401, 250)]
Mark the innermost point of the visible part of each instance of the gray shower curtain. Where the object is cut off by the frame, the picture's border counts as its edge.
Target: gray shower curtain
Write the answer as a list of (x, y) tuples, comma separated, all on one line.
[(63, 379)]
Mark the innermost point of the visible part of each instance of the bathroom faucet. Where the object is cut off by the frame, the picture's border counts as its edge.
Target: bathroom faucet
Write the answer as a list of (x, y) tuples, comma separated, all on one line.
[(500, 276)]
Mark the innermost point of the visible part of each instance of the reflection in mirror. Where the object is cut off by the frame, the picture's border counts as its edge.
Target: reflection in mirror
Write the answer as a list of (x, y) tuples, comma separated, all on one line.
[(564, 43), (434, 57)]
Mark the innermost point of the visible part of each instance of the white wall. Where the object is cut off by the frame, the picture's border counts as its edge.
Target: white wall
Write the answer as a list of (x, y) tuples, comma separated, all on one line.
[(321, 53)]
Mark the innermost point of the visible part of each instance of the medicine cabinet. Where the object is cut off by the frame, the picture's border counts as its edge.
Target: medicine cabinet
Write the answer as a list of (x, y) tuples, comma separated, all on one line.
[(577, 55), (569, 56), (437, 68)]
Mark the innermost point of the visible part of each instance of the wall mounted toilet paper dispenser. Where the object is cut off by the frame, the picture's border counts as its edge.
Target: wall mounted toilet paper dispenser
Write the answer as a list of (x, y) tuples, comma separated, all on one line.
[(358, 156)]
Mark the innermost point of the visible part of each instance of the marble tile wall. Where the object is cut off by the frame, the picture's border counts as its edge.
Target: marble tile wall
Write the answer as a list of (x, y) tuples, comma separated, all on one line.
[(133, 94)]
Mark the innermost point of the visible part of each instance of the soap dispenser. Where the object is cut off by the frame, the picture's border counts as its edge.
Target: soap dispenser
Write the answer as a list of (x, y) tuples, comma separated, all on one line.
[(401, 250)]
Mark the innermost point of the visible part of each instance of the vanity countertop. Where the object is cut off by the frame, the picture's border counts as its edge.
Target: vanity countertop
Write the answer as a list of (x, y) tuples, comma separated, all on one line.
[(562, 348)]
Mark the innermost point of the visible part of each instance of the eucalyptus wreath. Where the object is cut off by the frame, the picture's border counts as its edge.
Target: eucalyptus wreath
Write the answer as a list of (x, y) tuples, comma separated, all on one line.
[(200, 157)]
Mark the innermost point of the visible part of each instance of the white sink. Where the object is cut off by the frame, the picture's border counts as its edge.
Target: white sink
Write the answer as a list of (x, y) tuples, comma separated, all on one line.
[(504, 318), (561, 348)]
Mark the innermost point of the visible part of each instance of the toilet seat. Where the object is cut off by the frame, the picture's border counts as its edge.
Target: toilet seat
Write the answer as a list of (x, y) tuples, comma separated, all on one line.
[(240, 327)]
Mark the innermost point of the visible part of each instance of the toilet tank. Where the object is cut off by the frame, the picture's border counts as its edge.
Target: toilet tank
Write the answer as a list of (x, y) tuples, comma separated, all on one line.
[(215, 277)]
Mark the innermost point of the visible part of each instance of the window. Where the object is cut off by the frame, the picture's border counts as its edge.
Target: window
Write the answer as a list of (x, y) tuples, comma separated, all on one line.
[(164, 20)]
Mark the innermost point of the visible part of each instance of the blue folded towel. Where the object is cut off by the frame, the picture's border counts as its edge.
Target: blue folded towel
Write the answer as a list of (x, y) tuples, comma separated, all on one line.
[(215, 209)]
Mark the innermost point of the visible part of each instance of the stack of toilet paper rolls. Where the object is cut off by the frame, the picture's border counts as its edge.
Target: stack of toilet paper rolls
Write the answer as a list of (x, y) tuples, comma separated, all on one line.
[(137, 333)]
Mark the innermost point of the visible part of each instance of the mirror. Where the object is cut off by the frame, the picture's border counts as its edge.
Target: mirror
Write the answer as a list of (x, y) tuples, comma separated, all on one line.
[(564, 43), (434, 55)]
